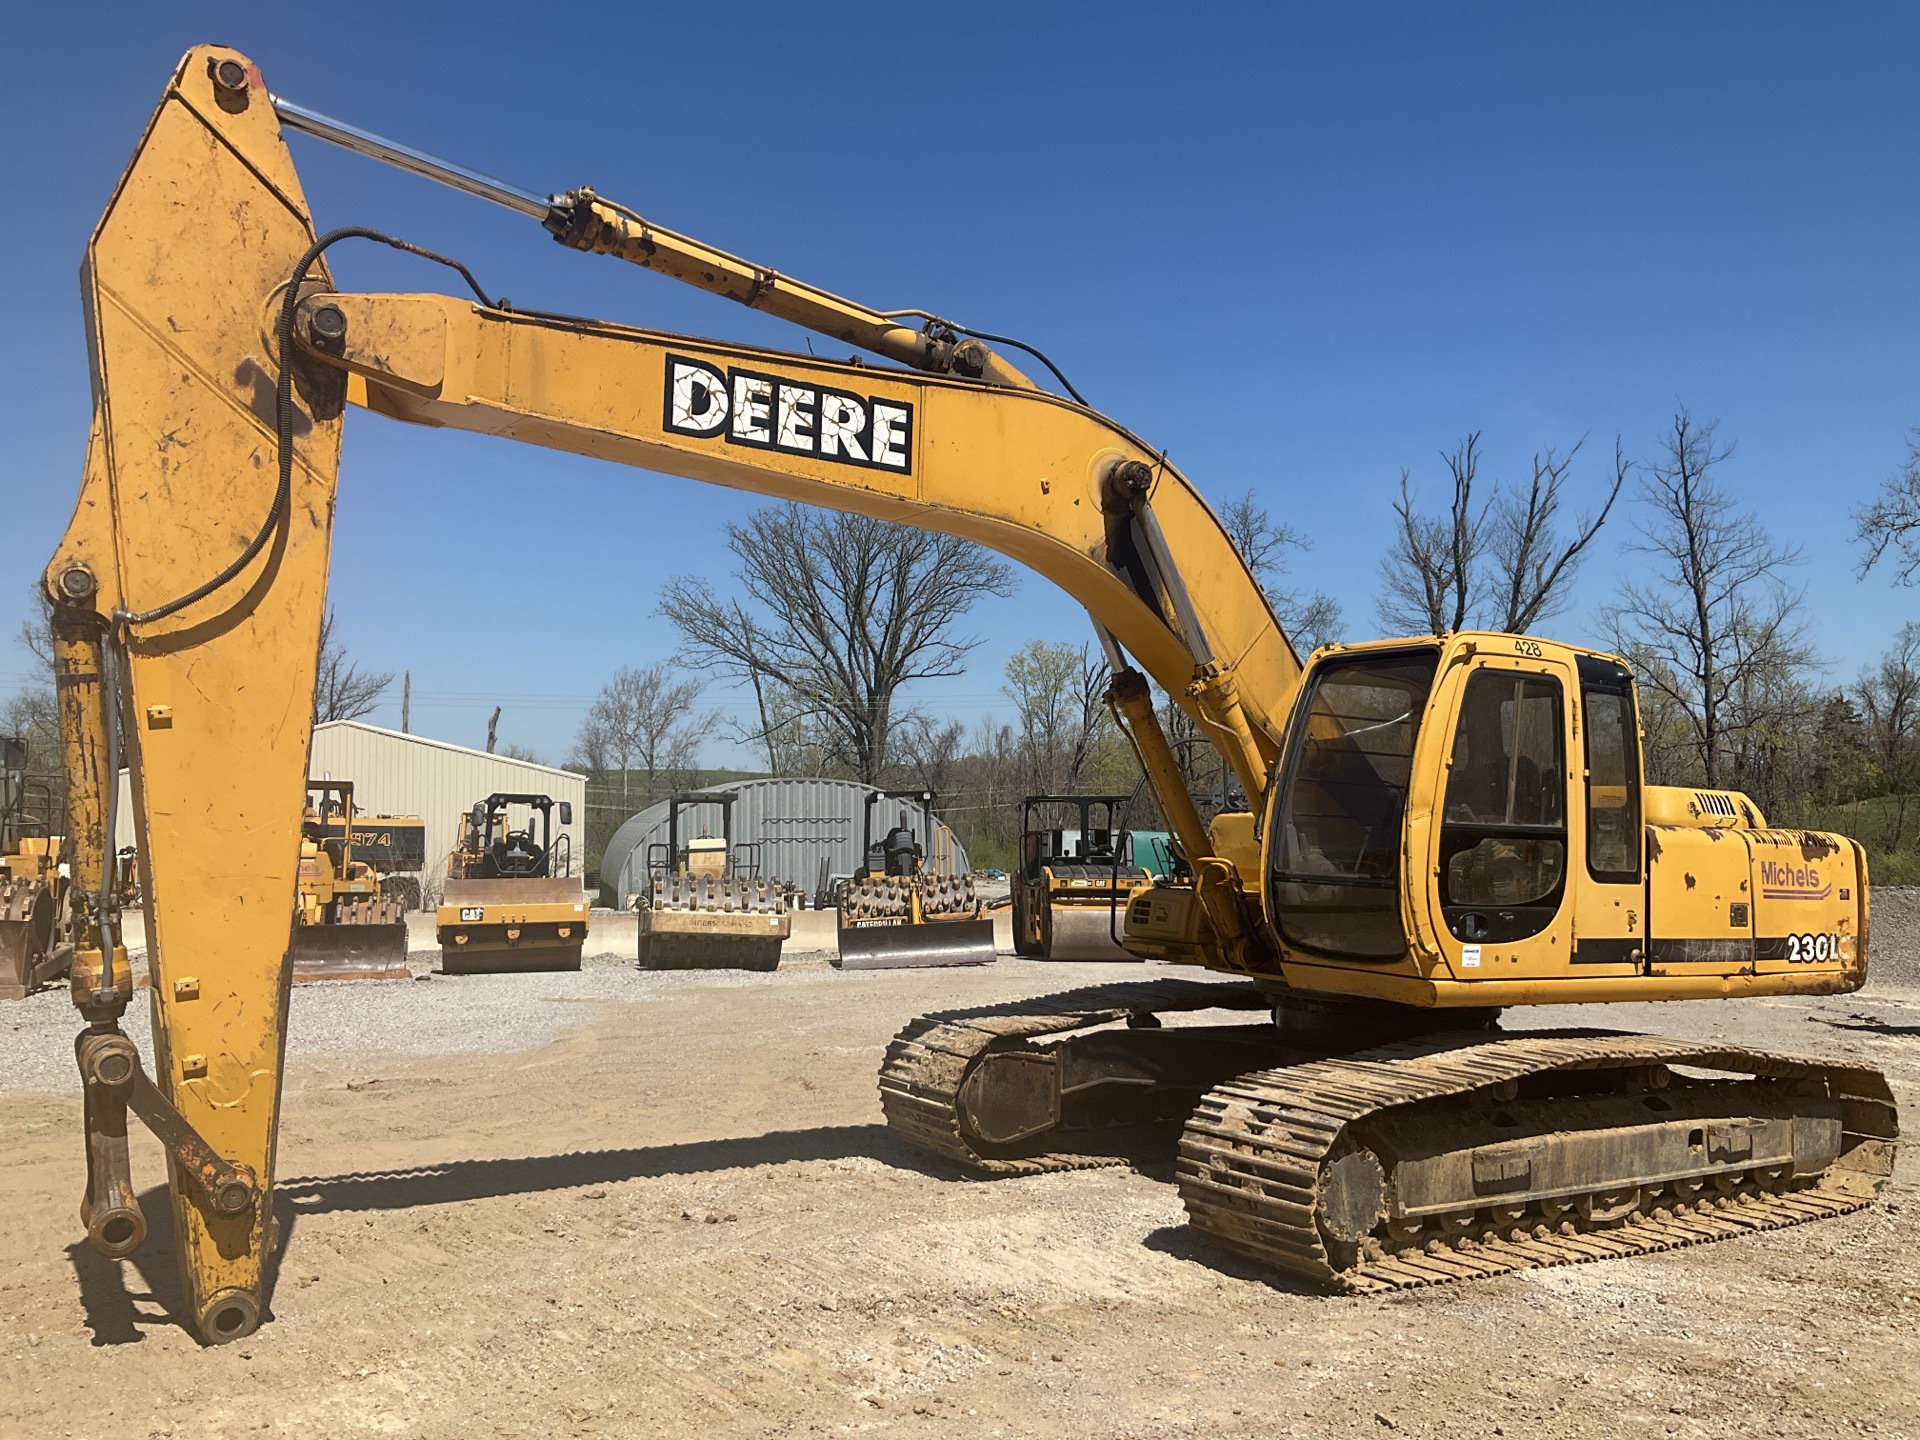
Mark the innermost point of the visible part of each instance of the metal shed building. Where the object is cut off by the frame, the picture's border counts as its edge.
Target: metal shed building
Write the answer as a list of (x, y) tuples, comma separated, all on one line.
[(400, 774), (796, 823)]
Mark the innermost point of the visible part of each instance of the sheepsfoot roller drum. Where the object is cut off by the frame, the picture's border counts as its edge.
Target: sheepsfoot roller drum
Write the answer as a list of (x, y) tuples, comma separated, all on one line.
[(908, 922), (1462, 1155), (31, 954), (702, 922)]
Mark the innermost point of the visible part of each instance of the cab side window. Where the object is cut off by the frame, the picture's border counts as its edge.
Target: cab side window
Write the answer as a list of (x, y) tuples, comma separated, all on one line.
[(1613, 772)]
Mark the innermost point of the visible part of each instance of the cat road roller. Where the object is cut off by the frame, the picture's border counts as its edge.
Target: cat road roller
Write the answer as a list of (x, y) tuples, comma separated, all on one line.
[(347, 926), (1075, 878), (511, 901)]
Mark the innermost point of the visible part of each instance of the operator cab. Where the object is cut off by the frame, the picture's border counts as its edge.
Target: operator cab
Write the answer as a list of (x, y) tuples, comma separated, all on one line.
[(1456, 753), (523, 851)]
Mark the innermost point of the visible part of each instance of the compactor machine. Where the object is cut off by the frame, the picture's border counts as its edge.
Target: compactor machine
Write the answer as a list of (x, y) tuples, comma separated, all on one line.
[(1442, 830), (898, 913), (346, 927), (34, 944), (703, 908), (1075, 880), (511, 901)]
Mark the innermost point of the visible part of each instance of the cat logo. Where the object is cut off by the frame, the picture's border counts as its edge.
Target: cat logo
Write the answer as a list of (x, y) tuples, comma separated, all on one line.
[(768, 412)]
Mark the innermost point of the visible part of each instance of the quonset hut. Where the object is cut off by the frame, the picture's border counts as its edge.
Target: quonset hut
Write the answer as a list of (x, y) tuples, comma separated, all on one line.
[(797, 825)]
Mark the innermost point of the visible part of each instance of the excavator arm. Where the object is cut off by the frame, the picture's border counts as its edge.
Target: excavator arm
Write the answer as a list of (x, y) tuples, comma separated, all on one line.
[(190, 585)]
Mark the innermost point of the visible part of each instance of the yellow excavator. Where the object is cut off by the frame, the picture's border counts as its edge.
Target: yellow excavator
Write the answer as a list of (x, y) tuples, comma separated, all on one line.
[(1439, 827)]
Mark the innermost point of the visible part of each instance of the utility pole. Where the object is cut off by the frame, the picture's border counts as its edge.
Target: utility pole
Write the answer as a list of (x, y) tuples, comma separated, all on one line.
[(406, 704)]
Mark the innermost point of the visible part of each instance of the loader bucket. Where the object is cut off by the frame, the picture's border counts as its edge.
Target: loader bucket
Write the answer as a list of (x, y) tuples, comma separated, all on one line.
[(350, 952), (898, 945), (1081, 932)]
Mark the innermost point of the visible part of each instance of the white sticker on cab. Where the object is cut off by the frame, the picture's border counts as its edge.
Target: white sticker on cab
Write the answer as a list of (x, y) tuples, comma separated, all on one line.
[(1469, 956)]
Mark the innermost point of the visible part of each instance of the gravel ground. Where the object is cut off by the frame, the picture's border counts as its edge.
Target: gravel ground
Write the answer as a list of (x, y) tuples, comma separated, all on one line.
[(665, 1205), (462, 1015), (1894, 957)]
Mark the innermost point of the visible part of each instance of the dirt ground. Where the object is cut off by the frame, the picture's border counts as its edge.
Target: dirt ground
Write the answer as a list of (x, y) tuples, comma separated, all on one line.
[(674, 1210)]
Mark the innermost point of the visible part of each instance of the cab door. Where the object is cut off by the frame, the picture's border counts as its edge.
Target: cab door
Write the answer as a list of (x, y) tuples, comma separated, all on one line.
[(1499, 855), (1609, 836)]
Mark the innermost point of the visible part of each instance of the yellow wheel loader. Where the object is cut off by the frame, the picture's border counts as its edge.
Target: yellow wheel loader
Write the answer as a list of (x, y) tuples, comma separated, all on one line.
[(346, 926), (896, 913), (703, 909), (1439, 827), (511, 901), (1075, 879), (34, 942)]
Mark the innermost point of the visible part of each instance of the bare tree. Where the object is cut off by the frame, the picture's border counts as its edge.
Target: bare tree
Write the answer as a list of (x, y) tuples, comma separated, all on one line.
[(341, 690), (1502, 564), (32, 714), (842, 610), (1059, 693), (1533, 571), (1310, 619), (932, 751), (1716, 628), (644, 720), (1892, 522), (1427, 578), (1889, 696)]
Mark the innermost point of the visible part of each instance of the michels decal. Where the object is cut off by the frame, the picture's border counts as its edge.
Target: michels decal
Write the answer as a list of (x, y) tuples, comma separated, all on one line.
[(770, 412), (1792, 882)]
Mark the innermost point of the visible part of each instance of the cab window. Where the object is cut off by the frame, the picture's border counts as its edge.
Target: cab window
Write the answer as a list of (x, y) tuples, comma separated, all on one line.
[(1613, 772), (1503, 835), (1336, 841)]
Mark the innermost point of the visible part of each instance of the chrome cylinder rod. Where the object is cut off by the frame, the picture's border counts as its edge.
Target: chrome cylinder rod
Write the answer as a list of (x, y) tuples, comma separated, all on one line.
[(405, 157)]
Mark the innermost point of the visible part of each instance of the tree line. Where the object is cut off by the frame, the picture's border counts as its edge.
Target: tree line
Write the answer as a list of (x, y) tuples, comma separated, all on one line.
[(836, 616)]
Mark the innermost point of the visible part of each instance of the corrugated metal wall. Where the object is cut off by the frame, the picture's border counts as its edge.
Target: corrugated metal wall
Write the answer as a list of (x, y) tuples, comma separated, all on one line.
[(396, 774), (796, 823)]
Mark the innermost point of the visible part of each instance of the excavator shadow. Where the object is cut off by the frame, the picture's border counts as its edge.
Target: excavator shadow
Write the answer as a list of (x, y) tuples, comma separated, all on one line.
[(461, 1180), (122, 1299)]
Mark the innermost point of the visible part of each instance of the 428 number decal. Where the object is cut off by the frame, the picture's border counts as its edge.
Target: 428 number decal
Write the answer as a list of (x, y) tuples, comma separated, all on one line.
[(1811, 949)]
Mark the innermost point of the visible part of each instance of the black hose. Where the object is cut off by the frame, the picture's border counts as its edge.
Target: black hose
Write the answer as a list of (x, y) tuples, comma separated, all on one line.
[(1022, 345), (283, 408)]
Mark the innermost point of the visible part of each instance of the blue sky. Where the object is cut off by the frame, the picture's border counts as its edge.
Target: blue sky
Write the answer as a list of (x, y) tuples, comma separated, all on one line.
[(1301, 248)]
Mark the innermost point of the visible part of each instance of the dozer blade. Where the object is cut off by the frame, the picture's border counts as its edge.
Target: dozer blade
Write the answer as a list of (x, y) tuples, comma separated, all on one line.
[(350, 952), (914, 947), (28, 957), (1084, 932)]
